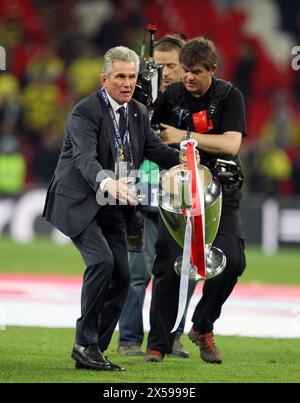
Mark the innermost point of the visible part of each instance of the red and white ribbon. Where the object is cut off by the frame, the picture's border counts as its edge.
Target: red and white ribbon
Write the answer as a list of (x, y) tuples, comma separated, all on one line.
[(194, 240), (197, 211)]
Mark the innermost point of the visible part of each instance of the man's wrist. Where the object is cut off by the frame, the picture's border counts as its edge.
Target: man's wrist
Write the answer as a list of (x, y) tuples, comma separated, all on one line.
[(188, 135)]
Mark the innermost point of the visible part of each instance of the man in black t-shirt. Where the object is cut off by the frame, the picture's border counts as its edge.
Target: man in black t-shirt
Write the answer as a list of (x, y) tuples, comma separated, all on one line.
[(224, 105)]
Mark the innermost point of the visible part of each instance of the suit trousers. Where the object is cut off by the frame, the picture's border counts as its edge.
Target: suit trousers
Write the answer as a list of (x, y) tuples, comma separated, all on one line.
[(165, 291), (131, 324), (103, 246)]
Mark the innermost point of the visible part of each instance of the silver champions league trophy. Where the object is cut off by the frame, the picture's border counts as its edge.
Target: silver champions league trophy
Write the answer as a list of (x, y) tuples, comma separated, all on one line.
[(175, 196)]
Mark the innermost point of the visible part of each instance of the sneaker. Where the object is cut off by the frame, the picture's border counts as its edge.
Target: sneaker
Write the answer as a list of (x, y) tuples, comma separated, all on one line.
[(209, 352), (154, 356), (134, 350), (178, 350), (193, 335)]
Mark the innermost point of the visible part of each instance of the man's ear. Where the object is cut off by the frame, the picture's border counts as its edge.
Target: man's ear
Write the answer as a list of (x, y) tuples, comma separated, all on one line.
[(103, 78), (213, 69)]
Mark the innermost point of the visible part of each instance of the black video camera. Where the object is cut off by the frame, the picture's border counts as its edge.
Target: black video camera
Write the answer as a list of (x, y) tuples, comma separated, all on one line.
[(148, 82), (227, 172), (149, 76)]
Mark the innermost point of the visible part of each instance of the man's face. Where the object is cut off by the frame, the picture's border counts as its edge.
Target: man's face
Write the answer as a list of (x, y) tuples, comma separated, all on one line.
[(171, 68), (121, 82), (197, 79)]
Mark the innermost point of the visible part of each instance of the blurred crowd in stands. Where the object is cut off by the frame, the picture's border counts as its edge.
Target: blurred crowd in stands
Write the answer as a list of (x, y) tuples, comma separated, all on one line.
[(54, 54)]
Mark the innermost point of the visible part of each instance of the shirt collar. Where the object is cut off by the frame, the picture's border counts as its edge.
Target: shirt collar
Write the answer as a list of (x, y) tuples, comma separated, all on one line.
[(114, 104)]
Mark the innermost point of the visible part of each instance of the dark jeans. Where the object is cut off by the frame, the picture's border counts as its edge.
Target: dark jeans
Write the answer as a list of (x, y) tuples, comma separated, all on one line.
[(165, 289), (140, 265)]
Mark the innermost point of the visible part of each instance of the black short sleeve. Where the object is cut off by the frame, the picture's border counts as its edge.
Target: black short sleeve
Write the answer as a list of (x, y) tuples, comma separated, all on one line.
[(233, 113), (163, 111)]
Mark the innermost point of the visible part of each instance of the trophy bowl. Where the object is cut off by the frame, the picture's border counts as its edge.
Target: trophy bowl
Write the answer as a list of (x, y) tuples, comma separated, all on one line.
[(175, 197)]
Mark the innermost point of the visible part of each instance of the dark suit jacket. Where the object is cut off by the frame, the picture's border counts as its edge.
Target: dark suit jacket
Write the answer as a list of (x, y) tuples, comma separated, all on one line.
[(89, 150)]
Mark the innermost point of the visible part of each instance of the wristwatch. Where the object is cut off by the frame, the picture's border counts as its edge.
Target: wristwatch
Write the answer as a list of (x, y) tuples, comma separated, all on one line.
[(188, 135)]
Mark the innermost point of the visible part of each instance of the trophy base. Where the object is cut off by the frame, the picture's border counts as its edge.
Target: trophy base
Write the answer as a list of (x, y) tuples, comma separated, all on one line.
[(215, 264)]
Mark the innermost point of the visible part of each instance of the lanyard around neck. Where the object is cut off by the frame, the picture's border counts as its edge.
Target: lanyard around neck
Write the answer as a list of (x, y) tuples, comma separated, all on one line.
[(118, 139)]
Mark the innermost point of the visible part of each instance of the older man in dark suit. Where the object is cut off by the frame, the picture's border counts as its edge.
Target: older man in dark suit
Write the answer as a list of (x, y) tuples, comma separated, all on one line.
[(104, 129)]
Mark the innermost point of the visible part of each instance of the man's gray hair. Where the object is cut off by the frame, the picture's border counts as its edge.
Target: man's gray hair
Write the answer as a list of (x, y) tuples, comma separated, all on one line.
[(119, 53)]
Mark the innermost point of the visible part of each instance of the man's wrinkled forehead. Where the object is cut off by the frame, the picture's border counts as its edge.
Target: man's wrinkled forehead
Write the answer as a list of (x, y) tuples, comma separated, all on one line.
[(122, 66)]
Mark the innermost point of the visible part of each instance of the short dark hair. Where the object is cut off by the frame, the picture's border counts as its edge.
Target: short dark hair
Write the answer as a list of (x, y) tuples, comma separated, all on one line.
[(198, 50), (169, 42)]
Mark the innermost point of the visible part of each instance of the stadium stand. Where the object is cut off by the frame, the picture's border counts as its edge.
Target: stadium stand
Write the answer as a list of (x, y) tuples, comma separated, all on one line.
[(55, 53)]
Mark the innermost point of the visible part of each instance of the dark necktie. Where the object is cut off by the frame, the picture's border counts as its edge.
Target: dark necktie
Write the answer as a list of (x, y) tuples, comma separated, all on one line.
[(122, 121), (122, 129)]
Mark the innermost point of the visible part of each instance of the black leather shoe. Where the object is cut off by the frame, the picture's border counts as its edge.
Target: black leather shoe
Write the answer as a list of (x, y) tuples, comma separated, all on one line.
[(90, 357), (114, 367), (80, 366), (111, 367)]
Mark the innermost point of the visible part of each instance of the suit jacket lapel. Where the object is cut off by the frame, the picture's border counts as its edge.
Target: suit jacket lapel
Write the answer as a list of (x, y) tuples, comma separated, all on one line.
[(109, 128), (133, 130)]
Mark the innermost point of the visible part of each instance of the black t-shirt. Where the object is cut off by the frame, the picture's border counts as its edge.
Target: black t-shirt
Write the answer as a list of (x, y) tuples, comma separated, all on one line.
[(176, 106)]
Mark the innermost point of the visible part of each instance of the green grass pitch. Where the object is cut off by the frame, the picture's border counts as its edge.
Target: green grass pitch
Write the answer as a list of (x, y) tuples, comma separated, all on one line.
[(43, 355)]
